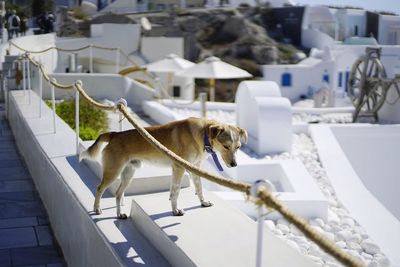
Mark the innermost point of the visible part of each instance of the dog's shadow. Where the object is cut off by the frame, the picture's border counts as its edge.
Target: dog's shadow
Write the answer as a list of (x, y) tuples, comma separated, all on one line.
[(86, 174), (157, 216)]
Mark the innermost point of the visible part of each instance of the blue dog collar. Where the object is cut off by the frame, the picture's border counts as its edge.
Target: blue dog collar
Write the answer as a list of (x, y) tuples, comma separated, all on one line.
[(208, 148)]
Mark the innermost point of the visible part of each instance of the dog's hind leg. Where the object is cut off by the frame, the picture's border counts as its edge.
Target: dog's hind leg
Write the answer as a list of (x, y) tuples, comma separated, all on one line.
[(126, 177), (177, 174), (199, 190), (111, 169)]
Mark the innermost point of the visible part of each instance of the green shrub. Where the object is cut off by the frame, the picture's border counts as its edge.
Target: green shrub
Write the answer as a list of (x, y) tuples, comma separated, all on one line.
[(92, 121)]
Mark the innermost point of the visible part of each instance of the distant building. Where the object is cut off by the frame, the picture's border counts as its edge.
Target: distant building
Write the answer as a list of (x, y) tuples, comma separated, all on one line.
[(385, 28)]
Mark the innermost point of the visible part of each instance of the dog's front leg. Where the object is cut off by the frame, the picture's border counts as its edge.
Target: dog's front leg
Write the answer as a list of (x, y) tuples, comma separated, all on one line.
[(177, 174), (199, 190)]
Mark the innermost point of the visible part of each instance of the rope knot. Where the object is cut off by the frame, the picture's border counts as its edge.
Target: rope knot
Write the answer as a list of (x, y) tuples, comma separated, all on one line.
[(78, 83), (121, 102)]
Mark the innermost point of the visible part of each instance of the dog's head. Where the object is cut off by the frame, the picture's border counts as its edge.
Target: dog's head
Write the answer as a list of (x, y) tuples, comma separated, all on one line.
[(227, 139)]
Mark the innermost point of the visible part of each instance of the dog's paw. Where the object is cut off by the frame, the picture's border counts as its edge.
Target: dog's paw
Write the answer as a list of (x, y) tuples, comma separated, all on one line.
[(97, 211), (178, 212), (206, 204), (122, 216)]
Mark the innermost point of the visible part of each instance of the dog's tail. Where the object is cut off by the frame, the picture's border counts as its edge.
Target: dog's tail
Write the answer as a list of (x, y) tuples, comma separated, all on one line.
[(94, 150)]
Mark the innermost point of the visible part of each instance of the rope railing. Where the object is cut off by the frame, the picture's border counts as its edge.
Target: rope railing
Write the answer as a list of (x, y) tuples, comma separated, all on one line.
[(263, 196)]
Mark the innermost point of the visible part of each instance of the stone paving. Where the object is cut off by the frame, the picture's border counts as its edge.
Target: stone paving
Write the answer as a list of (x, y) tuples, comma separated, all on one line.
[(26, 238)]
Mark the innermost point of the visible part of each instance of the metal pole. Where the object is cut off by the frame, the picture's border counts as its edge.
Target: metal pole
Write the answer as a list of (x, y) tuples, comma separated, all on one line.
[(117, 60), (53, 103), (40, 92), (77, 120), (203, 99), (260, 218), (24, 75), (91, 58), (29, 80), (260, 235)]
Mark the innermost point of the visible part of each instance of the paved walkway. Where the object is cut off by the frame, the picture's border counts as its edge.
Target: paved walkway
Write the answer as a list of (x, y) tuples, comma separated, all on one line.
[(26, 238)]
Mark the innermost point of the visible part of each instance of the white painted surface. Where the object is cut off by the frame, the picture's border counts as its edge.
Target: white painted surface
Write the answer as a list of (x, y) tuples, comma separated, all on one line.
[(197, 239), (67, 187), (266, 117), (350, 187), (103, 86), (295, 187)]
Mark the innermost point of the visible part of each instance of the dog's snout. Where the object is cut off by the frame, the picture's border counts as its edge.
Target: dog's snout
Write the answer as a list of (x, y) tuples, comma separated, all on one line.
[(233, 164)]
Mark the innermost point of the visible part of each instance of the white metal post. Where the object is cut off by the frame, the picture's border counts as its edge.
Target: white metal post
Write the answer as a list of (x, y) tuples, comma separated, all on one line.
[(117, 60), (24, 75), (29, 80), (40, 91), (91, 58), (260, 235), (77, 118), (260, 218), (53, 104), (124, 103)]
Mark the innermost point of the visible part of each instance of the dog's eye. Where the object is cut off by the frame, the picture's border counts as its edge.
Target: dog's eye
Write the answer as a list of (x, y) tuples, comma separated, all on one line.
[(226, 147)]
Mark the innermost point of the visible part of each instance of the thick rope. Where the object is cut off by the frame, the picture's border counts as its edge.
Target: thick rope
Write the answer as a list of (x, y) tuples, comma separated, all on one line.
[(265, 197)]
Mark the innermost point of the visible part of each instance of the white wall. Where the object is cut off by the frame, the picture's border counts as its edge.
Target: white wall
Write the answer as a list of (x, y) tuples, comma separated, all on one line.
[(101, 86), (35, 43), (304, 77), (124, 36), (312, 38), (386, 24)]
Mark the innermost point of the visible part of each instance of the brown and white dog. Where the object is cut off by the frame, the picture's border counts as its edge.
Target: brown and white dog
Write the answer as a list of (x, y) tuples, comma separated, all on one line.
[(186, 138)]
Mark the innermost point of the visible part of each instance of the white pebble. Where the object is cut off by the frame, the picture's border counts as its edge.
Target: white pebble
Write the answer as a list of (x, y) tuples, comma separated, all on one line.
[(355, 238), (335, 228), (373, 263), (366, 256), (348, 221), (317, 222), (295, 230), (384, 261), (333, 218), (318, 229), (277, 232), (341, 244), (343, 235), (270, 224), (316, 259), (284, 228), (354, 246), (329, 236), (293, 245), (369, 246)]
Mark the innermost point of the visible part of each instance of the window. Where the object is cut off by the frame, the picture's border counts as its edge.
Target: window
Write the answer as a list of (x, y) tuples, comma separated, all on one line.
[(340, 79), (356, 30), (176, 91), (286, 79), (325, 77)]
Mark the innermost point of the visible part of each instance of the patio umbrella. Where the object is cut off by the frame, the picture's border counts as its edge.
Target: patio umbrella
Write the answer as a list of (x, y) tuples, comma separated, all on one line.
[(169, 65), (214, 68)]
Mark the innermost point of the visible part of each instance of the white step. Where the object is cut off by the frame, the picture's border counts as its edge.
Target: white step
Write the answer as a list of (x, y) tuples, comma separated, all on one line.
[(216, 236)]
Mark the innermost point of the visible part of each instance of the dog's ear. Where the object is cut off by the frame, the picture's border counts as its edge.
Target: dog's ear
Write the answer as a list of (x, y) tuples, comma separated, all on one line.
[(243, 135), (215, 130)]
